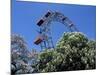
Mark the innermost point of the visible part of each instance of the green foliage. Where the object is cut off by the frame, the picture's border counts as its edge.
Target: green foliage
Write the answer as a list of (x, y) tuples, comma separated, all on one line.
[(74, 51)]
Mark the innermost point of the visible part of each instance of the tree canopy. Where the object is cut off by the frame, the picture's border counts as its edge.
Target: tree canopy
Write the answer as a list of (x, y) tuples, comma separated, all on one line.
[(73, 51)]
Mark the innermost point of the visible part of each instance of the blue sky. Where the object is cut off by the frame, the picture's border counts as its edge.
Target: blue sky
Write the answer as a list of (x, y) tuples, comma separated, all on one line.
[(26, 14)]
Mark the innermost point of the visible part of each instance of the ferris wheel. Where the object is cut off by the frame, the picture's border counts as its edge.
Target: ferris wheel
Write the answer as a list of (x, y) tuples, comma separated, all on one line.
[(45, 37)]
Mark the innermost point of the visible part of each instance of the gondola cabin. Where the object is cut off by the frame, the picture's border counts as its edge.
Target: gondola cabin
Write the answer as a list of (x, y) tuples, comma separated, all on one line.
[(38, 40), (40, 22), (47, 14)]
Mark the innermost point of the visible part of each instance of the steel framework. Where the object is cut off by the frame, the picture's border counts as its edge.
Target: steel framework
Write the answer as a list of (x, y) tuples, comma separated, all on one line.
[(45, 37)]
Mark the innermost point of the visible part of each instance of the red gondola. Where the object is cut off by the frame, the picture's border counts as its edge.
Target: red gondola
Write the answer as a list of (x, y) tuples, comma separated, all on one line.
[(38, 40)]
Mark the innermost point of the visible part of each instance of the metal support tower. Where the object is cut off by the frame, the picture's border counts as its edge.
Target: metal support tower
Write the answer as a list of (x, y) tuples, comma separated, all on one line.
[(45, 39)]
